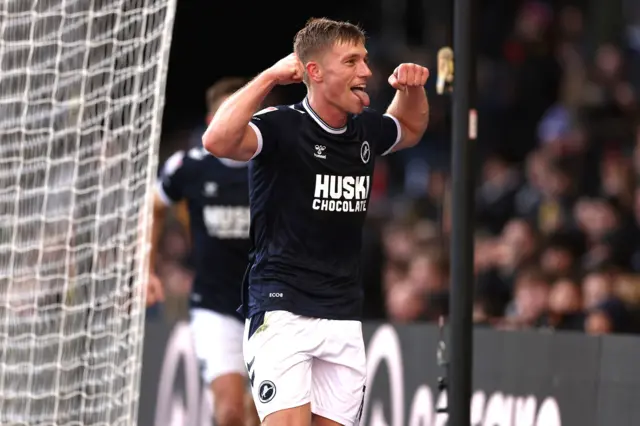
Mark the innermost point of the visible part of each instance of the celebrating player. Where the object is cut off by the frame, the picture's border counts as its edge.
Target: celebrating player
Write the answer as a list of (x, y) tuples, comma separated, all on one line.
[(310, 182), (217, 195)]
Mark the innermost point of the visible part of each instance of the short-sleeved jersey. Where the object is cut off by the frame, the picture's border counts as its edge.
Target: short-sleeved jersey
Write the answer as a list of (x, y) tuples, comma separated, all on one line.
[(217, 196), (309, 188)]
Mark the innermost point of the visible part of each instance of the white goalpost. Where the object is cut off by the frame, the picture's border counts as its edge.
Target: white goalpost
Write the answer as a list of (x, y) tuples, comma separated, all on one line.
[(81, 97)]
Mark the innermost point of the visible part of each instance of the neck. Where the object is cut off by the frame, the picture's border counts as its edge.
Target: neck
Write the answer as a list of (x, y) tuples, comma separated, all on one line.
[(330, 114)]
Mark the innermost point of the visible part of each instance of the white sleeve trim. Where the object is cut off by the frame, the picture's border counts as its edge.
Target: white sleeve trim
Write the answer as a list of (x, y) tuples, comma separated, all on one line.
[(398, 137), (163, 195), (260, 141)]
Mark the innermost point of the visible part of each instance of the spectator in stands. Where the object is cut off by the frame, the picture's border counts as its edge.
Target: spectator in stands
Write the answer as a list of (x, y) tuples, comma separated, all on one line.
[(597, 287), (430, 205), (610, 316), (618, 180), (560, 253), (399, 241), (429, 274), (554, 212), (515, 247), (564, 310), (405, 303), (530, 303), (486, 312), (495, 196), (606, 229), (529, 195), (557, 199)]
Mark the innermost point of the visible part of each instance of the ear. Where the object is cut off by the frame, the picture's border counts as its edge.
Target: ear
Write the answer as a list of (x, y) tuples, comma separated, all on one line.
[(314, 71)]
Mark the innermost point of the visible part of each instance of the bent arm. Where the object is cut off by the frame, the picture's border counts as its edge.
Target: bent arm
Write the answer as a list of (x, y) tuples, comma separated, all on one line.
[(159, 215), (411, 108), (229, 134)]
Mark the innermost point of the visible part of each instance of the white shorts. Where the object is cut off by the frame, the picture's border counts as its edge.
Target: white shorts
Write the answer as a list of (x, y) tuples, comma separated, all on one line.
[(293, 360), (218, 343)]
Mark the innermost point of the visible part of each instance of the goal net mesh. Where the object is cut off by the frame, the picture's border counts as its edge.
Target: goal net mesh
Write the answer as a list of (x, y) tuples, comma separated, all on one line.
[(81, 98)]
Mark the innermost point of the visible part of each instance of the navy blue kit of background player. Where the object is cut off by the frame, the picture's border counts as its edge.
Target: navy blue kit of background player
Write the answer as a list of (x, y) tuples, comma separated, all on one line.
[(217, 197), (310, 181), (216, 193)]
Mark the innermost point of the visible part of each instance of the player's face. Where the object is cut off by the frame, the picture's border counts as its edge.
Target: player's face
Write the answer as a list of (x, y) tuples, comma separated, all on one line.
[(345, 76)]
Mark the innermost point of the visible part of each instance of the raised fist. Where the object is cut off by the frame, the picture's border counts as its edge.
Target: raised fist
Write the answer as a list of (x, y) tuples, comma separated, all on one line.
[(287, 70), (408, 75)]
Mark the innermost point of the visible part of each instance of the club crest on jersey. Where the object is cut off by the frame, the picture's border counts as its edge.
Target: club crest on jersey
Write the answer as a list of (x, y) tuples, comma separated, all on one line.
[(320, 149), (210, 189), (365, 152), (345, 194)]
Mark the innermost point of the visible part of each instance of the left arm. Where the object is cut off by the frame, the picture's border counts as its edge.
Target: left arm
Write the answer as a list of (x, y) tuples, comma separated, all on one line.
[(410, 105)]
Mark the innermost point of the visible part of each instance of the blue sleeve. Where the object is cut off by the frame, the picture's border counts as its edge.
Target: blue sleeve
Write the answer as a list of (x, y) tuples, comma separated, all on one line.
[(265, 124), (390, 134), (173, 179), (382, 129)]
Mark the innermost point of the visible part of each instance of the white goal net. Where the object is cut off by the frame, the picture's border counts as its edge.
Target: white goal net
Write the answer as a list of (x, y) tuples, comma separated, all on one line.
[(81, 98)]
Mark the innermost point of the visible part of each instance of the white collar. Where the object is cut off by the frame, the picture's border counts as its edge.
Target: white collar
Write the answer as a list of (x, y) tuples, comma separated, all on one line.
[(320, 121)]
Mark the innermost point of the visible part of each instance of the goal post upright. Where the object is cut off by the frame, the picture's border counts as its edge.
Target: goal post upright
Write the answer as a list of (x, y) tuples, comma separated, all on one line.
[(81, 102), (462, 169)]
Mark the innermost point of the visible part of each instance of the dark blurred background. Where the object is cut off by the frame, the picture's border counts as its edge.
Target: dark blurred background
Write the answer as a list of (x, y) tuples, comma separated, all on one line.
[(558, 165)]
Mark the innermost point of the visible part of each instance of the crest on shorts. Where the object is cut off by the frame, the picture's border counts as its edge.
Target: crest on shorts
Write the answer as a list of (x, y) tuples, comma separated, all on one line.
[(266, 391), (365, 152)]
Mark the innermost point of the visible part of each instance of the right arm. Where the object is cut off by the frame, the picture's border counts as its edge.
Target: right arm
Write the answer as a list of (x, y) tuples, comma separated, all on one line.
[(155, 291), (167, 192), (229, 134), (159, 214)]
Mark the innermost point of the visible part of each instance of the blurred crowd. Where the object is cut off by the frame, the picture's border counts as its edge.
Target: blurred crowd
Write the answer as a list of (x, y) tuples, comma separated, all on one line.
[(557, 214)]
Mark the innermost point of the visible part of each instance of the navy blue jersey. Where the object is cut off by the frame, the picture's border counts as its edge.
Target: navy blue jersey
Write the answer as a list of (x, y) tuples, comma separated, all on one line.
[(217, 196), (309, 189)]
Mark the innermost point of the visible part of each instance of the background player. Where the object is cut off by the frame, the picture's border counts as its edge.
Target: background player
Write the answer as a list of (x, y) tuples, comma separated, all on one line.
[(217, 197), (310, 184)]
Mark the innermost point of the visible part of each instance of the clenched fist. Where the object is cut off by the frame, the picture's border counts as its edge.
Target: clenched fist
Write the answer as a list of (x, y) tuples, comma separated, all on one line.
[(408, 75), (287, 70)]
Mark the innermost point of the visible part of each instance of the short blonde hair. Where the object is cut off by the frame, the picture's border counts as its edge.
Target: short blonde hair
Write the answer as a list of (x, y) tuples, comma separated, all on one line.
[(320, 34)]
